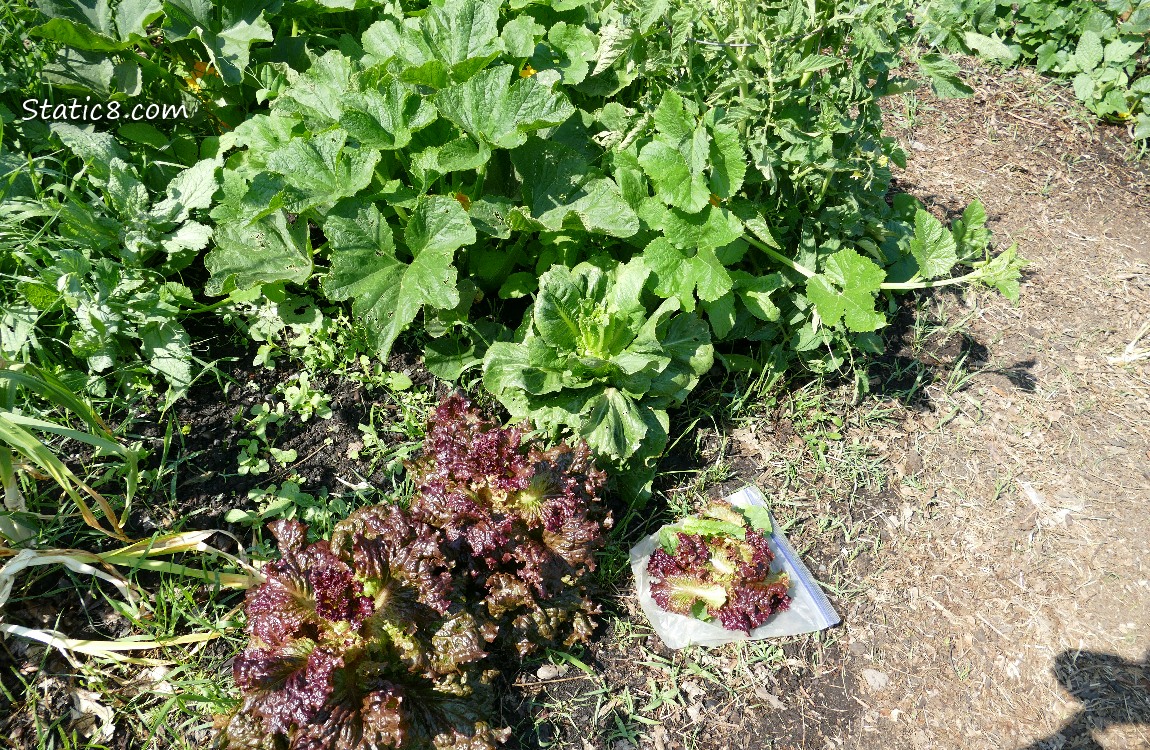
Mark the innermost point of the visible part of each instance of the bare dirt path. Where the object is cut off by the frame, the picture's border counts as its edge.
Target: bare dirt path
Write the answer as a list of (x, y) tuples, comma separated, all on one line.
[(1012, 604)]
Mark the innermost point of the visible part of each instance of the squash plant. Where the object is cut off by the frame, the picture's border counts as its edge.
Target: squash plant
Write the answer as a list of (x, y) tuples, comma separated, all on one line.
[(451, 162), (1101, 47)]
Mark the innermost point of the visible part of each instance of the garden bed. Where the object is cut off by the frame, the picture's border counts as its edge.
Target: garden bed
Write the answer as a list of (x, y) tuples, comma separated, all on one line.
[(973, 507)]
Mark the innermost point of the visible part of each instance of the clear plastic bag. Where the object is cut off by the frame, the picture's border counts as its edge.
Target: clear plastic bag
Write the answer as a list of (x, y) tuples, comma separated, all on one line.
[(809, 611)]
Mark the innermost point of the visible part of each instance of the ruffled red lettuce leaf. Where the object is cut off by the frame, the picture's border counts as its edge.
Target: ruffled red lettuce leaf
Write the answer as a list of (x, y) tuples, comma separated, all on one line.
[(529, 520), (750, 604), (377, 721), (243, 731), (403, 717), (718, 566), (286, 688), (564, 493), (681, 593), (443, 720), (481, 737), (461, 640), (397, 556), (565, 619), (527, 623), (381, 637), (307, 590), (366, 648), (467, 456), (479, 481), (468, 469)]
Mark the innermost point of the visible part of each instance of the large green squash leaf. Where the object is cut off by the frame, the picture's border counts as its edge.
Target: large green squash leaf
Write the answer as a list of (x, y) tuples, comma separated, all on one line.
[(386, 292), (317, 96), (227, 30), (266, 250), (450, 42), (845, 291), (560, 185), (683, 273), (490, 107), (94, 26), (386, 116), (932, 246), (319, 169)]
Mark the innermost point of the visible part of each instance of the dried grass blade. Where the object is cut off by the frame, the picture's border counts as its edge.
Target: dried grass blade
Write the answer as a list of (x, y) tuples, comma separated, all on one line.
[(103, 649)]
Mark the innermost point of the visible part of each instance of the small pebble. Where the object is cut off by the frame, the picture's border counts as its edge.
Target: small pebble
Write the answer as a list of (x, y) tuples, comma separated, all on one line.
[(876, 680)]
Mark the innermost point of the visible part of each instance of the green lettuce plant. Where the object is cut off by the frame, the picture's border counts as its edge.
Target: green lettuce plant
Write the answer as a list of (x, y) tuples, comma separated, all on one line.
[(594, 359)]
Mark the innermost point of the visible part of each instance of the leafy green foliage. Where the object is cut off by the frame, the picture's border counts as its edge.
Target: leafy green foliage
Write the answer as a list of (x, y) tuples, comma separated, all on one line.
[(944, 76), (448, 169), (598, 362), (109, 280), (845, 291), (564, 189), (477, 153), (492, 109), (1100, 46), (227, 30), (388, 292)]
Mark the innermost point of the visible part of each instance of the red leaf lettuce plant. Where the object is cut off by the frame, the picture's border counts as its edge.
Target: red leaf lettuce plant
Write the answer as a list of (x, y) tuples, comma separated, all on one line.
[(382, 637)]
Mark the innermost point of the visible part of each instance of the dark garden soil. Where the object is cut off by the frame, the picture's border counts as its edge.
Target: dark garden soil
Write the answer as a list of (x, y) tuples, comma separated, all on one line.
[(208, 432), (982, 526)]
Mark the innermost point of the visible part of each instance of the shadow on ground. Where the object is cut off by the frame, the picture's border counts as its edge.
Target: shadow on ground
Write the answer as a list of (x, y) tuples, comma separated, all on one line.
[(1112, 690)]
